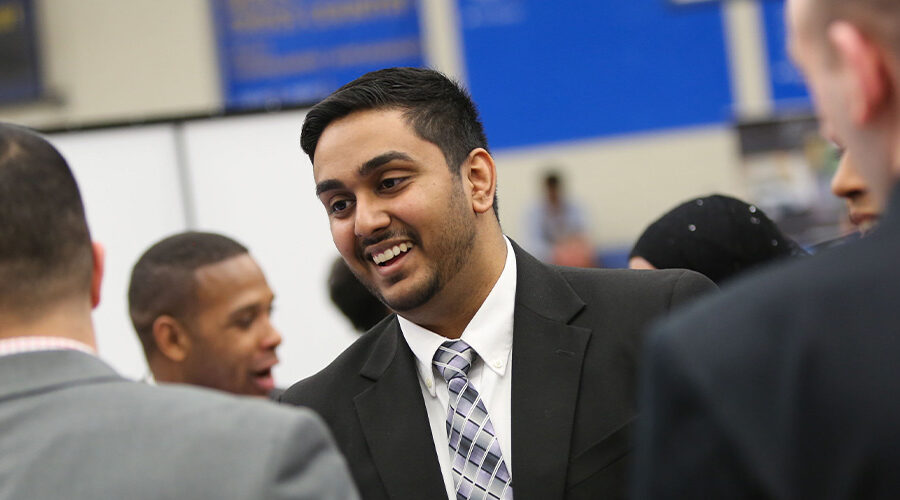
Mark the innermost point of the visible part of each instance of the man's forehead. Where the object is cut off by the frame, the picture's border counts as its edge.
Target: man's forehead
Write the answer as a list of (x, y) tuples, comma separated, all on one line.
[(228, 273), (351, 143), (796, 28)]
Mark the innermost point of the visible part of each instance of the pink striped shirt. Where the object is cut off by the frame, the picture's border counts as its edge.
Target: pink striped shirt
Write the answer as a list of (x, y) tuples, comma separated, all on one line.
[(16, 345)]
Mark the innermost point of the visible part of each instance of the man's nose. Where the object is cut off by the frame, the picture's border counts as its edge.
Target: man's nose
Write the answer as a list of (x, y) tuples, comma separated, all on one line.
[(272, 338), (847, 183), (371, 216)]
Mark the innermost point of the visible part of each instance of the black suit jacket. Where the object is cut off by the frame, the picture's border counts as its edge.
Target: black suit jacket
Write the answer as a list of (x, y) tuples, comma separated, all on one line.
[(576, 337), (786, 386)]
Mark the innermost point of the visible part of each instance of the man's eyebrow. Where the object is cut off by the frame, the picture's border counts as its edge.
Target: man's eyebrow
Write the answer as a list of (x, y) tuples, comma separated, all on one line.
[(364, 170), (367, 167), (243, 310), (328, 185)]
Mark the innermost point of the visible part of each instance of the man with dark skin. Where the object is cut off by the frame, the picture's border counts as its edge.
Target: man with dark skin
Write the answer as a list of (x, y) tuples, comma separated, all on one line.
[(202, 309)]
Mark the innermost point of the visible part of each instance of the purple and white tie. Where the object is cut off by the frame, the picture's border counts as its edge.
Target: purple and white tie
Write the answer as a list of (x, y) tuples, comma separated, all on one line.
[(479, 471)]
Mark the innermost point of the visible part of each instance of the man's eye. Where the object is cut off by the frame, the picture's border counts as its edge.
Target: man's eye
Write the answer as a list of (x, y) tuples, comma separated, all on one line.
[(246, 321), (391, 183), (339, 206)]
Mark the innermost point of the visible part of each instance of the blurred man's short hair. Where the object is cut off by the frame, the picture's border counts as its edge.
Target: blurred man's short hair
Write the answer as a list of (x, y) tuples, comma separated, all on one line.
[(37, 190), (163, 283)]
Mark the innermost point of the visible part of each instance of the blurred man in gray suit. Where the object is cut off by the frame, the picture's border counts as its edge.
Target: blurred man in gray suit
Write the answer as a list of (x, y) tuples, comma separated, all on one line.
[(72, 427)]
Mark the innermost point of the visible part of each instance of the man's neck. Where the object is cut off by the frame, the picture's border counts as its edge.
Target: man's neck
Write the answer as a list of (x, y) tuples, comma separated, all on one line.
[(71, 320)]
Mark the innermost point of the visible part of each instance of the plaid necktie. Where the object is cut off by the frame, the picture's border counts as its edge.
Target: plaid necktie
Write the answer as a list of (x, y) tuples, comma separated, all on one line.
[(479, 471)]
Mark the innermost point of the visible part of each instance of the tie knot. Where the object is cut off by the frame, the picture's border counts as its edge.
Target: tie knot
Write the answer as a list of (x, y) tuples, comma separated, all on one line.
[(453, 359)]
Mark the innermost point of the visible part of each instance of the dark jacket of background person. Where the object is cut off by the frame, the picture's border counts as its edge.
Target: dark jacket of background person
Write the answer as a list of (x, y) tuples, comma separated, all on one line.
[(717, 236), (576, 340), (791, 394)]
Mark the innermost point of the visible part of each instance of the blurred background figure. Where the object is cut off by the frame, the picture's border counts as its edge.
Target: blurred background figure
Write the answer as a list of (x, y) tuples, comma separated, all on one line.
[(357, 303), (202, 308), (557, 227), (863, 208), (717, 235)]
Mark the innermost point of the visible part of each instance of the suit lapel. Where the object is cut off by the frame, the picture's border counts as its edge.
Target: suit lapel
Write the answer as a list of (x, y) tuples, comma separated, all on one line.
[(395, 423), (547, 359)]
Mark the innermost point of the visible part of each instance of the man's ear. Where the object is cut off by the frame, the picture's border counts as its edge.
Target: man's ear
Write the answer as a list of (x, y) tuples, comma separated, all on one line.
[(868, 73), (480, 173), (172, 339), (99, 254)]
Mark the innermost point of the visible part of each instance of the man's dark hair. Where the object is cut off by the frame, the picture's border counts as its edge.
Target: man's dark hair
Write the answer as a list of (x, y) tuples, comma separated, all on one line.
[(551, 180), (357, 303), (45, 245), (163, 282), (438, 109)]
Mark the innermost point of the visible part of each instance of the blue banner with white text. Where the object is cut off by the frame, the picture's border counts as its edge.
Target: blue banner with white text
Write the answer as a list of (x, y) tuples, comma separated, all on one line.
[(286, 52), (20, 75)]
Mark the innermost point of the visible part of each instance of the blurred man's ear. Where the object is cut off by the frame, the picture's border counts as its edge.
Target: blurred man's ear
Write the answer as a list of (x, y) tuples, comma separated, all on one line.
[(97, 273), (868, 73), (172, 339)]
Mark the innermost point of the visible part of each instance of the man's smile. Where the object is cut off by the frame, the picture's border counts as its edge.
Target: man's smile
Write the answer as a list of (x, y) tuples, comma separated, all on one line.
[(385, 257)]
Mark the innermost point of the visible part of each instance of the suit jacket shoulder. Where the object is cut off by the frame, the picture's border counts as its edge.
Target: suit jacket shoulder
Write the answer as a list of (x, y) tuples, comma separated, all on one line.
[(81, 431), (343, 375), (781, 375)]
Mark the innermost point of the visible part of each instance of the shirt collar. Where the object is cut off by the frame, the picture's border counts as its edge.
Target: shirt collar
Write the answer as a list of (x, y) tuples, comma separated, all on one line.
[(18, 345), (490, 332)]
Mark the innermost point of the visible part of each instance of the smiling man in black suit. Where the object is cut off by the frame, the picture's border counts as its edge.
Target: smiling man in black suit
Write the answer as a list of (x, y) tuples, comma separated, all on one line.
[(498, 374)]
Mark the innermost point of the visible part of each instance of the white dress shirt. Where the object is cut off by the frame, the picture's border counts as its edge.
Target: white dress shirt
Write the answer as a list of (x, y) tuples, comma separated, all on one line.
[(19, 345), (490, 334)]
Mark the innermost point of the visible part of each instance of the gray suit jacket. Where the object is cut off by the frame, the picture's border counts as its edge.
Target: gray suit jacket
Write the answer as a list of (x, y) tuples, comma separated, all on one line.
[(576, 338), (71, 428)]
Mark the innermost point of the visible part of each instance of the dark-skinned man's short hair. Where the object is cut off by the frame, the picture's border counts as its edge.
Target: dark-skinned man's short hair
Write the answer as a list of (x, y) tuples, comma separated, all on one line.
[(163, 281), (438, 109), (45, 245)]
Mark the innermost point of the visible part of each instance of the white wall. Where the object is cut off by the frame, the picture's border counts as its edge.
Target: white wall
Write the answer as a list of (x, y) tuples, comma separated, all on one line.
[(252, 181), (624, 184), (131, 191)]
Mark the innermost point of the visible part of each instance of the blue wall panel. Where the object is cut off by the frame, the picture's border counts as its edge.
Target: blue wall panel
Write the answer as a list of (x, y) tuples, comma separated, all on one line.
[(788, 89), (20, 78), (572, 69)]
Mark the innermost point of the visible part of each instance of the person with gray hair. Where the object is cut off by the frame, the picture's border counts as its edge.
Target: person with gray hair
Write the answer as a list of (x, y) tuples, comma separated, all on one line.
[(785, 386), (72, 427)]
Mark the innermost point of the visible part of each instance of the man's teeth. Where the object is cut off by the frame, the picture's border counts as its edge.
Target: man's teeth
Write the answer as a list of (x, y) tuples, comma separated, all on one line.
[(390, 253)]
